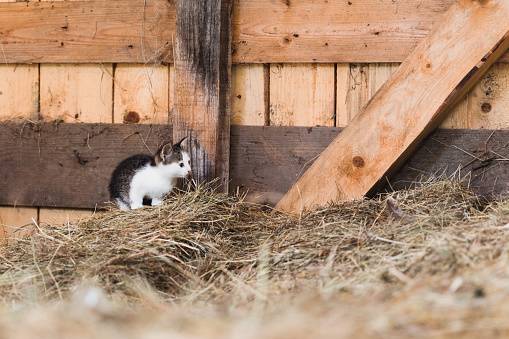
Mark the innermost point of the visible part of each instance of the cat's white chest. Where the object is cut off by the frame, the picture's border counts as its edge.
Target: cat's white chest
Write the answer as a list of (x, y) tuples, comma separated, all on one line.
[(151, 181)]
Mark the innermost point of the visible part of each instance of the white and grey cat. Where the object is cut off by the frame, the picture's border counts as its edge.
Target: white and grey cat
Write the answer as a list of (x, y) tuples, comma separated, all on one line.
[(143, 176)]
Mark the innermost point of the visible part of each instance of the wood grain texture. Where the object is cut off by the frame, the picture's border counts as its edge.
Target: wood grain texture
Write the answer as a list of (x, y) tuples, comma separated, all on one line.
[(408, 106), (356, 85), (76, 92), (342, 90), (141, 94), (70, 164), (488, 102), (87, 31), (477, 157), (248, 95), (63, 216), (458, 117), (358, 31), (19, 91), (203, 85), (302, 95), (12, 218), (486, 106), (267, 160), (265, 31)]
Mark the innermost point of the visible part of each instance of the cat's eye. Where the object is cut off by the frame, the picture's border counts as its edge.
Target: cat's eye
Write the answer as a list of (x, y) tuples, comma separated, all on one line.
[(181, 164), (189, 162)]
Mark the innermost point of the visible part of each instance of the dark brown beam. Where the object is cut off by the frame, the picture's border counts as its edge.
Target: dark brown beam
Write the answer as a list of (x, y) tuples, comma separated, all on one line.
[(203, 84), (68, 165), (266, 161)]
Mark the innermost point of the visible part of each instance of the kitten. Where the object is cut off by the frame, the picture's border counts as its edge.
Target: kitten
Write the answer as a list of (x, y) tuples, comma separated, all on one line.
[(142, 176)]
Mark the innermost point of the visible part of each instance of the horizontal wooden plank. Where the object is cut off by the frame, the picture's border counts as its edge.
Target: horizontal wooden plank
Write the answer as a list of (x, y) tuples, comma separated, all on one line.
[(87, 31), (266, 161), (69, 165), (478, 157), (264, 31), (268, 31)]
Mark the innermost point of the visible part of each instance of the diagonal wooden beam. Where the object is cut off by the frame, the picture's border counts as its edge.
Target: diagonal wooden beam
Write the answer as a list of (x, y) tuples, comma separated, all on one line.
[(202, 84), (445, 65)]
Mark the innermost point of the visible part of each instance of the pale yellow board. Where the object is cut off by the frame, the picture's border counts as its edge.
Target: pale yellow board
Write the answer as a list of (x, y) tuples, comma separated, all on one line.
[(12, 218), (19, 91), (141, 94), (356, 85), (342, 92), (458, 117), (63, 216), (76, 92), (248, 95), (486, 106), (302, 95), (359, 88), (171, 90)]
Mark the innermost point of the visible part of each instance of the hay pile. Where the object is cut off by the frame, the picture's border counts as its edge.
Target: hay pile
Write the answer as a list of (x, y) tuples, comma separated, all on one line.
[(222, 258)]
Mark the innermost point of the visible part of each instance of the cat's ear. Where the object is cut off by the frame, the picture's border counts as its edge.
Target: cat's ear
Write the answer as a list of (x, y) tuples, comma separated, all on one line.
[(165, 151), (178, 144)]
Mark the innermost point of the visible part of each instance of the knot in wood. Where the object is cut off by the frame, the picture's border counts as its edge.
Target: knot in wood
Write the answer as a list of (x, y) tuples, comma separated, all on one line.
[(358, 161), (132, 118)]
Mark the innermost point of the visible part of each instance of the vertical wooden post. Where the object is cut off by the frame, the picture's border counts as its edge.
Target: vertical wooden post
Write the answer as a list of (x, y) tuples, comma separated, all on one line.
[(202, 85)]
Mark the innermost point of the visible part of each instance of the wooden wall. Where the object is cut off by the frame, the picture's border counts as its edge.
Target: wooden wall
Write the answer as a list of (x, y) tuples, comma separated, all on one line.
[(266, 91)]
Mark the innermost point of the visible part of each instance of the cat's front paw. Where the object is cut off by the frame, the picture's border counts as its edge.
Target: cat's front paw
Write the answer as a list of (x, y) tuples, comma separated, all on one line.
[(156, 201), (136, 206)]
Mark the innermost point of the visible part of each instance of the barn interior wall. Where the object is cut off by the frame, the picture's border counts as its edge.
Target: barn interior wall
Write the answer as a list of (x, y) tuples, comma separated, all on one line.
[(262, 94)]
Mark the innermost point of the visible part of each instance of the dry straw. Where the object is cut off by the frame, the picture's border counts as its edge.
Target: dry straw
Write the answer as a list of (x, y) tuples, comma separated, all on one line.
[(201, 247)]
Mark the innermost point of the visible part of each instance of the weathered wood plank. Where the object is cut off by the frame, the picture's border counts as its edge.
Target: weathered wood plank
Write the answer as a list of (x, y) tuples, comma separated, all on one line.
[(76, 92), (265, 161), (87, 31), (486, 106), (408, 106), (359, 31), (357, 84), (12, 218), (478, 157), (203, 85), (302, 95), (19, 91), (141, 94), (19, 97), (63, 216), (265, 31), (249, 84), (68, 165), (488, 102)]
